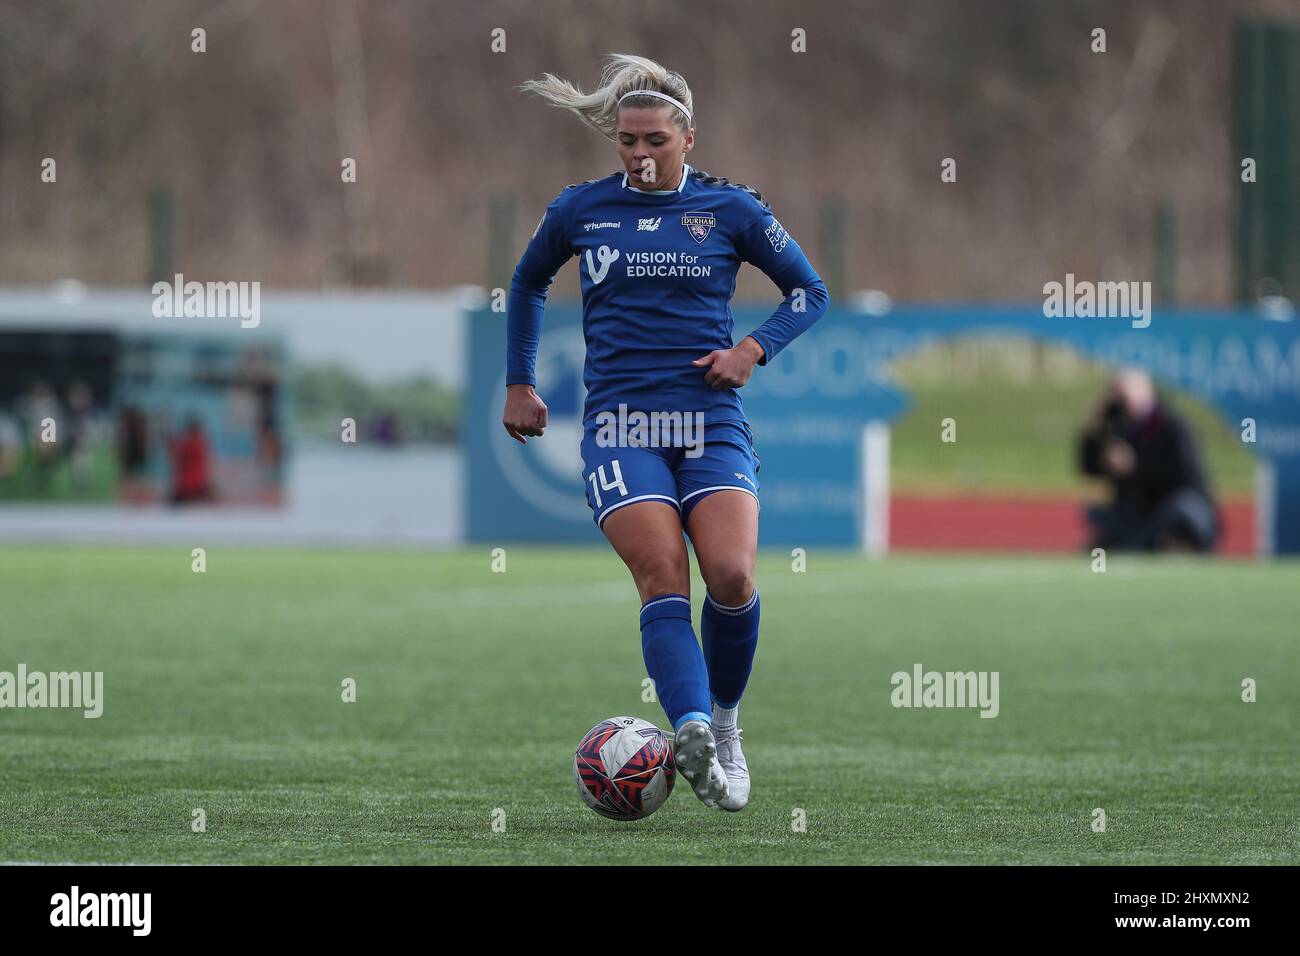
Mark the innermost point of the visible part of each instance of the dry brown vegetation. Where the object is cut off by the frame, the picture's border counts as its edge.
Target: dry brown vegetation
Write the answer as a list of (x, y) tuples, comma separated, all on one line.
[(1063, 154)]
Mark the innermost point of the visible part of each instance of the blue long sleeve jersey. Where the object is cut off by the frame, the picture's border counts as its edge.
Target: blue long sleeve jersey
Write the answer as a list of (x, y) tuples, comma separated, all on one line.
[(657, 271)]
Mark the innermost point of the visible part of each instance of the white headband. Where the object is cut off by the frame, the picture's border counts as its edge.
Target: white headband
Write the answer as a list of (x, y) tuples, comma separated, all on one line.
[(663, 96)]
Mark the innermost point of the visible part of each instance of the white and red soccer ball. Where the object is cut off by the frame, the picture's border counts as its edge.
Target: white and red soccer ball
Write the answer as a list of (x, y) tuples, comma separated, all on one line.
[(624, 768)]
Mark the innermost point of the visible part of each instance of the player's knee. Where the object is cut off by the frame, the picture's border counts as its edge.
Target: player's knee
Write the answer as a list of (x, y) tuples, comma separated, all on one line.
[(731, 585), (661, 574)]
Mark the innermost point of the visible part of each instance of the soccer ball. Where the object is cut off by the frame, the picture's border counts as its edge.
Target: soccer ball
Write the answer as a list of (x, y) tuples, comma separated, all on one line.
[(624, 768)]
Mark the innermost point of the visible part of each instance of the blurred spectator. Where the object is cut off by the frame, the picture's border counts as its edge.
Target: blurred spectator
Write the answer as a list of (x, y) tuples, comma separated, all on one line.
[(133, 454), (1161, 500), (386, 428), (270, 460), (11, 447), (81, 434), (36, 408), (191, 465)]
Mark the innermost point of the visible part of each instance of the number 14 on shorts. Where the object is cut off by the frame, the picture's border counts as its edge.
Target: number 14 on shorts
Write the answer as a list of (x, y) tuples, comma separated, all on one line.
[(607, 484)]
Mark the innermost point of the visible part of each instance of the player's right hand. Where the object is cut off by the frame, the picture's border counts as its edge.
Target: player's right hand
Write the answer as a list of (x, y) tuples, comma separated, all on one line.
[(525, 413)]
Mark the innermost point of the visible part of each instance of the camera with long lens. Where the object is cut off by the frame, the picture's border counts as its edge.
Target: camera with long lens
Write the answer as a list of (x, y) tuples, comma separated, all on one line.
[(1113, 418)]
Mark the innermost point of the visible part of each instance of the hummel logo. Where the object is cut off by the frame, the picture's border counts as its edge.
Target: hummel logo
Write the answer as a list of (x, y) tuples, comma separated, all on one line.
[(745, 478), (648, 225), (601, 225)]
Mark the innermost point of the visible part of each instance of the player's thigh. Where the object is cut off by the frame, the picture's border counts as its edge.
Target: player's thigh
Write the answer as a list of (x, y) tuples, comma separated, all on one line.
[(724, 533), (719, 498), (648, 537), (632, 493)]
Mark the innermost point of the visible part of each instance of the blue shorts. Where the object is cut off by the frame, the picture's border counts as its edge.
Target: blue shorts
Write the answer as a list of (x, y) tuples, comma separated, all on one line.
[(681, 474)]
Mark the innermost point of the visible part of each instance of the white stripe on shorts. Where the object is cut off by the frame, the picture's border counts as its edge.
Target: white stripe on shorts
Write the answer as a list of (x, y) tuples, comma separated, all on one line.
[(618, 504), (721, 488)]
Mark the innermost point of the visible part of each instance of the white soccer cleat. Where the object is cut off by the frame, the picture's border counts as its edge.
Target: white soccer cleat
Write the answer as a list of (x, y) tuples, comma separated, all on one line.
[(734, 766), (696, 754)]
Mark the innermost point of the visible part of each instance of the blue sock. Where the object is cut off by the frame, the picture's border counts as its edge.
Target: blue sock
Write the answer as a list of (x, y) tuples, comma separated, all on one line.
[(673, 659), (730, 640)]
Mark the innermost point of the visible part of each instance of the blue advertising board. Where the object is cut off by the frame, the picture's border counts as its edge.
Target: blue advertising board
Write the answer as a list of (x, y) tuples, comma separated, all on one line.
[(811, 408)]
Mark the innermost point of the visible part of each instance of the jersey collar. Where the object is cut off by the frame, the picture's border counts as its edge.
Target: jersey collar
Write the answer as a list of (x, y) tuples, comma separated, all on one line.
[(686, 171)]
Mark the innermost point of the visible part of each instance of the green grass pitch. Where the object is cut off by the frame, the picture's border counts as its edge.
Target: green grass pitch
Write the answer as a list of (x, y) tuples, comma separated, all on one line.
[(1119, 691)]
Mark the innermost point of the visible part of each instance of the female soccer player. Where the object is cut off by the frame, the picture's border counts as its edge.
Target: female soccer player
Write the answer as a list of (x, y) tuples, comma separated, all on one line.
[(666, 445)]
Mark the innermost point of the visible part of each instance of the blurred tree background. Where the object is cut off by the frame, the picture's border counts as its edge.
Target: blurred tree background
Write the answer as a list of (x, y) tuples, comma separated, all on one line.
[(1064, 156)]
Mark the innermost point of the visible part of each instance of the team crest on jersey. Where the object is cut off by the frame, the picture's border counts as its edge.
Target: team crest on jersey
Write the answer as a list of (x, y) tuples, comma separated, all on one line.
[(699, 224)]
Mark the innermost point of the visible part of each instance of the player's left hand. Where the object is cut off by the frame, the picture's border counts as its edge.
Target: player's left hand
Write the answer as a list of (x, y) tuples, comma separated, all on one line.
[(730, 368)]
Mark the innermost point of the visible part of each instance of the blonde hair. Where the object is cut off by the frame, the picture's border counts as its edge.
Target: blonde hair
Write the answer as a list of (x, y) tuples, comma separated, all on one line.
[(623, 73)]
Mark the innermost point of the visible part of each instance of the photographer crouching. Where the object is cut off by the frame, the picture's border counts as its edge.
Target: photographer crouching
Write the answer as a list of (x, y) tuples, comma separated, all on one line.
[(1161, 501)]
